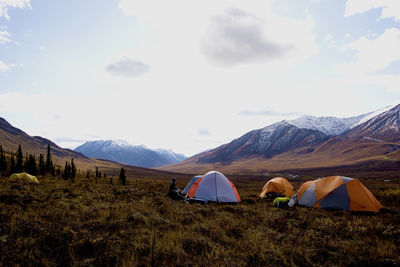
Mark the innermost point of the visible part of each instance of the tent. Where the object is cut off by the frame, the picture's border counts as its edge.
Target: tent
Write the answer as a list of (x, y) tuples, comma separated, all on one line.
[(191, 182), (278, 185), (337, 192), (214, 186), (23, 176)]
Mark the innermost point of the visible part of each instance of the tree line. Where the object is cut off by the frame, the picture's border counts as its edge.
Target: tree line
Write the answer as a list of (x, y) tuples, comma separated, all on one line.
[(43, 165), (16, 162)]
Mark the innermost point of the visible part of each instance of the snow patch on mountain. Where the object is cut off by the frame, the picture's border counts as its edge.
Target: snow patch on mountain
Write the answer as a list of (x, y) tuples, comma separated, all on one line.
[(170, 154), (327, 125), (373, 114), (123, 152)]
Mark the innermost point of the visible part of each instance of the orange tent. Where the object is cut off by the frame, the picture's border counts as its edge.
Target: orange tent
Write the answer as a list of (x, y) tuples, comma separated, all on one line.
[(278, 185), (337, 192)]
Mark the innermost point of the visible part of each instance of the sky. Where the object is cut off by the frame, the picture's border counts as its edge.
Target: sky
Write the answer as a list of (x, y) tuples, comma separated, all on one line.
[(190, 75)]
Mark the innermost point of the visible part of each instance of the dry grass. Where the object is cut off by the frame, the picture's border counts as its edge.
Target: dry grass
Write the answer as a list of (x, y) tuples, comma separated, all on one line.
[(91, 224)]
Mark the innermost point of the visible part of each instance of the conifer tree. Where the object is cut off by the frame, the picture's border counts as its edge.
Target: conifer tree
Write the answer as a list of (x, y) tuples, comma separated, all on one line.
[(122, 176), (3, 162), (31, 165), (18, 165), (12, 164), (73, 169), (42, 166), (49, 162), (66, 170)]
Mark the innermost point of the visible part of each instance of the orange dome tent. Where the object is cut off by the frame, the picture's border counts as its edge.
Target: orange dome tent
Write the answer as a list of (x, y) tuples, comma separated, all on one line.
[(337, 192), (278, 185)]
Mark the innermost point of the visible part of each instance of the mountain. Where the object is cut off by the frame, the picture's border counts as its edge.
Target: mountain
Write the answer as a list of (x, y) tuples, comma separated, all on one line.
[(383, 127), (123, 152), (305, 132), (170, 155), (11, 137), (328, 125), (267, 142), (307, 143)]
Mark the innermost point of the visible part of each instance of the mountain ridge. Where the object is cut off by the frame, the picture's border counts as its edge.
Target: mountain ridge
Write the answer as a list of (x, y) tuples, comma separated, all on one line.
[(375, 140), (123, 152)]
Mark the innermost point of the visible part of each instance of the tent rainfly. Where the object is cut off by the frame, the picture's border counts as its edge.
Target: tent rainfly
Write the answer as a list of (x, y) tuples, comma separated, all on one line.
[(337, 192), (214, 186), (278, 185)]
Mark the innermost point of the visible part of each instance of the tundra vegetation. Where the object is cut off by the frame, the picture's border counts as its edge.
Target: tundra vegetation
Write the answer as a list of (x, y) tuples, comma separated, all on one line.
[(98, 221)]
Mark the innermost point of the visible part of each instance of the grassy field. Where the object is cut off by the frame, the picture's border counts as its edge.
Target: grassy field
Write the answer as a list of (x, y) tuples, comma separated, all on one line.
[(89, 224)]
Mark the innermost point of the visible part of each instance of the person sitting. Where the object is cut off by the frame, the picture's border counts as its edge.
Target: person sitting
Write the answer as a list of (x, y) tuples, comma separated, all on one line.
[(172, 185), (174, 192)]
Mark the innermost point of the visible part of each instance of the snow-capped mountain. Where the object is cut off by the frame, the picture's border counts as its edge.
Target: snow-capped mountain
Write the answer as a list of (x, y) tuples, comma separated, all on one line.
[(382, 127), (123, 152), (308, 146), (327, 125), (305, 132), (267, 142), (169, 154)]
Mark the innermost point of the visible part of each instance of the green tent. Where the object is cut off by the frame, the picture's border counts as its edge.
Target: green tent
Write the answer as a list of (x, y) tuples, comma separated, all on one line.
[(23, 176)]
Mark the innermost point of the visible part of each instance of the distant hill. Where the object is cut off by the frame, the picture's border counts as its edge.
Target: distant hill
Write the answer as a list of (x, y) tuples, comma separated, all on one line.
[(11, 137), (307, 143), (123, 152)]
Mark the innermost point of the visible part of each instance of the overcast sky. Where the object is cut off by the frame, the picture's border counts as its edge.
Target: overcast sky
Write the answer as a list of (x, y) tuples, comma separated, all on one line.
[(189, 75)]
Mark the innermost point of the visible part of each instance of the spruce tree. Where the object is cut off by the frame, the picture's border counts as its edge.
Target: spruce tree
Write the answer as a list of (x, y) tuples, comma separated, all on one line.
[(18, 165), (73, 169), (3, 162), (66, 171), (12, 164), (49, 162), (122, 176), (42, 166), (31, 165)]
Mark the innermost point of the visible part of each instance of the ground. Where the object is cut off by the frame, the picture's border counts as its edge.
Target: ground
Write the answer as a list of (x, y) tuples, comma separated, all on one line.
[(88, 223)]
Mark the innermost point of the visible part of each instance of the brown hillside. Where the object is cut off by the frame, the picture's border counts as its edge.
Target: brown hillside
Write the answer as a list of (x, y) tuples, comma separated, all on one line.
[(374, 144), (11, 137), (346, 154)]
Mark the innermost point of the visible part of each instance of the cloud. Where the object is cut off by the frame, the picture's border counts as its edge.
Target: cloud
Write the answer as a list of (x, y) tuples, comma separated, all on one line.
[(329, 39), (237, 37), (4, 67), (127, 67), (6, 4), (4, 37), (68, 139), (225, 33), (390, 8), (266, 113), (373, 55), (204, 131)]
